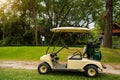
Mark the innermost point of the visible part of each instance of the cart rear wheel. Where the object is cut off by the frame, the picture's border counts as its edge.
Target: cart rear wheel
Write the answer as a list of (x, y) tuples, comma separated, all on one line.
[(43, 68), (91, 71)]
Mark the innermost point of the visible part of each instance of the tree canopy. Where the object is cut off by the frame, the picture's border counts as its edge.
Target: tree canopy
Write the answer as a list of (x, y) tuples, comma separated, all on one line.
[(23, 21)]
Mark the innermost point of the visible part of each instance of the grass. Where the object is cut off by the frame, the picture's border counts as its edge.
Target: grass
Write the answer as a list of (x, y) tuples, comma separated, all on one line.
[(21, 53), (33, 53), (16, 74), (26, 53), (110, 55)]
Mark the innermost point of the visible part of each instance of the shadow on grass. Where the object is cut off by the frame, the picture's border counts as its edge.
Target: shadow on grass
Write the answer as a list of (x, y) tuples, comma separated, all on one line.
[(67, 73)]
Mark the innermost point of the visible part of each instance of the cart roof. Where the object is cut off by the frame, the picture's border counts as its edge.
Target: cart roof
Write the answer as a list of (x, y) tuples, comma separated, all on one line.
[(70, 29)]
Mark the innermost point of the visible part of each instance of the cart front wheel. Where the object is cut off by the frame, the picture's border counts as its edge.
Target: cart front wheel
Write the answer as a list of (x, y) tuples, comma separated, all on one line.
[(43, 68)]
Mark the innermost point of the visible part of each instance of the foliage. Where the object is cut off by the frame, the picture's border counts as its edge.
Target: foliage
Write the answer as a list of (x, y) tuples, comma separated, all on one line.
[(28, 18), (116, 11), (23, 21), (97, 31)]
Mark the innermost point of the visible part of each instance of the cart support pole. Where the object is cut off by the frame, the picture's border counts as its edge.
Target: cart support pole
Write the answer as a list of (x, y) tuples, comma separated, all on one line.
[(50, 43)]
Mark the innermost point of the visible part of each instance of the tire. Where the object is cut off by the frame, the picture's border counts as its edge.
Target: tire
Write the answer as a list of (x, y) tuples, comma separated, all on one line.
[(43, 68), (91, 71)]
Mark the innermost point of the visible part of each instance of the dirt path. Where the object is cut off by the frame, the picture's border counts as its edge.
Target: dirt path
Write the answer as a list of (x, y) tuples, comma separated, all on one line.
[(19, 64), (111, 68)]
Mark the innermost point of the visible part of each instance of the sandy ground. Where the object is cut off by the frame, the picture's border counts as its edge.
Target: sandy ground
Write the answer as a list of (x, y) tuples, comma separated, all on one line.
[(111, 68)]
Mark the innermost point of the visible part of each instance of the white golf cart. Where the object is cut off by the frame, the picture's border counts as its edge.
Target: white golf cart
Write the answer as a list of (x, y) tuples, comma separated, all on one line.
[(90, 65)]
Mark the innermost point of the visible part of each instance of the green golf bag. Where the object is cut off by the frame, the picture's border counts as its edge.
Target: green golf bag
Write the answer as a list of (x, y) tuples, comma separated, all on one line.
[(93, 50)]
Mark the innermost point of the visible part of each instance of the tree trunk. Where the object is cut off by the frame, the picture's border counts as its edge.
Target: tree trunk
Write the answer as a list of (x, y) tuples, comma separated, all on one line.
[(3, 35), (108, 24), (35, 26)]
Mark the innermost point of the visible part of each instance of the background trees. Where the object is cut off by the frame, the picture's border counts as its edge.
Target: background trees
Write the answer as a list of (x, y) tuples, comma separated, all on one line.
[(23, 21)]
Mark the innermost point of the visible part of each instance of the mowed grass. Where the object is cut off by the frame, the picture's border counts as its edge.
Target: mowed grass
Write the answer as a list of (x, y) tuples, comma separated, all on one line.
[(32, 53), (110, 55), (17, 74), (21, 53)]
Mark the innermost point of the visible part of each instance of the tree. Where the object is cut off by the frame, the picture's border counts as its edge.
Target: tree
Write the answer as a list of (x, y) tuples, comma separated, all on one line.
[(22, 21), (108, 24), (116, 11), (34, 10), (71, 13)]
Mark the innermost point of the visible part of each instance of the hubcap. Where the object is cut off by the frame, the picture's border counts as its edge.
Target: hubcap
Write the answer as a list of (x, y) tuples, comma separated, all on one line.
[(91, 72), (43, 69)]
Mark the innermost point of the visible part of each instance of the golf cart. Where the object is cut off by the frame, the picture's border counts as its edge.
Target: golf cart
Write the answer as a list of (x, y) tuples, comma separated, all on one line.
[(89, 64)]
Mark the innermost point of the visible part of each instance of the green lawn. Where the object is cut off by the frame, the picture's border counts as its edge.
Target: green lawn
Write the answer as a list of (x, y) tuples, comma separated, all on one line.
[(28, 53), (33, 53), (110, 55), (16, 74), (21, 53)]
